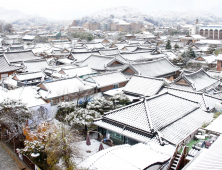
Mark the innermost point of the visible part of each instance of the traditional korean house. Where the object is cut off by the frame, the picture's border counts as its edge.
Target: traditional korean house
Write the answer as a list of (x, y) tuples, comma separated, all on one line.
[(55, 69), (6, 68), (16, 48), (130, 36), (207, 102), (81, 56), (144, 86), (29, 38), (203, 61), (35, 66), (67, 89), (59, 53), (94, 46), (109, 52), (199, 81), (141, 56), (81, 72), (105, 82), (20, 56), (104, 63), (156, 68), (154, 119), (29, 79)]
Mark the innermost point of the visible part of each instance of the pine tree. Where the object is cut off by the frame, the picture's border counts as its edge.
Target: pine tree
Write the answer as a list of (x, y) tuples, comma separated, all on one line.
[(176, 46), (168, 45), (191, 53)]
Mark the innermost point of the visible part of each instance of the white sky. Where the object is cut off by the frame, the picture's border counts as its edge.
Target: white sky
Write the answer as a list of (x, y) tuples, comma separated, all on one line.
[(74, 9)]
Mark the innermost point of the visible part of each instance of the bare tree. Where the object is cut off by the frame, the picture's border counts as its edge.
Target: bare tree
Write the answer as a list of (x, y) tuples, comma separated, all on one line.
[(1, 26), (8, 28)]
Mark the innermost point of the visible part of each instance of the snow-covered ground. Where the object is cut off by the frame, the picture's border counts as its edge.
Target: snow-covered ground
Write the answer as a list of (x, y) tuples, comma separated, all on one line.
[(83, 148)]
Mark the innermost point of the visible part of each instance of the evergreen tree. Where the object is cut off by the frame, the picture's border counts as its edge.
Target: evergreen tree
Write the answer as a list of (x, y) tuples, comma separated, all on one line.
[(176, 46), (191, 53), (168, 45)]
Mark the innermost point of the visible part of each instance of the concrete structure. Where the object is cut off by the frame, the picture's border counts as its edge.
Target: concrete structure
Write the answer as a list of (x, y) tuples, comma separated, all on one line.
[(92, 26), (211, 31)]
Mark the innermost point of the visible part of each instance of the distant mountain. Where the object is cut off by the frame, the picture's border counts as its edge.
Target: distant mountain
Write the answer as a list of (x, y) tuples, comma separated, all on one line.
[(16, 17), (184, 17), (156, 18)]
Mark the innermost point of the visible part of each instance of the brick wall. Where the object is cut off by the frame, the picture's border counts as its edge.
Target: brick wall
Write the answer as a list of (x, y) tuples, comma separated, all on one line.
[(128, 70), (123, 84), (218, 65)]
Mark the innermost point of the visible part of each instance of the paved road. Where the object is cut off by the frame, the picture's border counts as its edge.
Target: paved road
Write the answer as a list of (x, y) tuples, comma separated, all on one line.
[(6, 161)]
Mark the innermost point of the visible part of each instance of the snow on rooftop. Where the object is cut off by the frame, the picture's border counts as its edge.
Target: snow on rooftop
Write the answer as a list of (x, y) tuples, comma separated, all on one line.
[(28, 95), (215, 126), (126, 157)]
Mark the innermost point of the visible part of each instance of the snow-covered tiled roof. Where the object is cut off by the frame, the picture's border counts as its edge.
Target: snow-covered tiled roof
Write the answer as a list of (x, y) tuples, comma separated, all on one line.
[(208, 158), (141, 56), (198, 80), (144, 86), (107, 79), (28, 37), (156, 68), (154, 114), (79, 71), (167, 108), (28, 76), (82, 56), (20, 56), (5, 66), (28, 95), (207, 102), (101, 62), (33, 66), (182, 128), (109, 52), (62, 87), (126, 157)]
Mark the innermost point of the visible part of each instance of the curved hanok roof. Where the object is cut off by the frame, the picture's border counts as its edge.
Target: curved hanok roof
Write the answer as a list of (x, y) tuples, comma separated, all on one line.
[(144, 86), (198, 80), (144, 120), (156, 68)]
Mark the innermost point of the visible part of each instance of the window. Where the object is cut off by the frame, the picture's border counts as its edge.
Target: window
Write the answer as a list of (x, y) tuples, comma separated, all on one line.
[(116, 135), (115, 86)]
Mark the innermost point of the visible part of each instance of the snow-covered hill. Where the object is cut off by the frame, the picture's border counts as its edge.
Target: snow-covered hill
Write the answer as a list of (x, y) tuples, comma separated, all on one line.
[(157, 18), (16, 17)]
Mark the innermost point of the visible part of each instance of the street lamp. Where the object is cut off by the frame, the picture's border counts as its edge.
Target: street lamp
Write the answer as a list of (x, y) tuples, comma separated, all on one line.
[(35, 154)]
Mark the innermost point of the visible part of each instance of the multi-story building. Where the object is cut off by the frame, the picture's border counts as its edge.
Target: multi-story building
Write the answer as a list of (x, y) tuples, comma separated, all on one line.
[(92, 26), (211, 31), (135, 26)]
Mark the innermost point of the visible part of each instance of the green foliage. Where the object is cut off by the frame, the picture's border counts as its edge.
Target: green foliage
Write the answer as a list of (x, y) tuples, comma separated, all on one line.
[(168, 45), (64, 108), (212, 49), (176, 46), (189, 53), (82, 35), (100, 105), (218, 51), (173, 32)]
